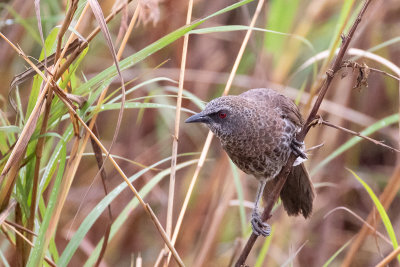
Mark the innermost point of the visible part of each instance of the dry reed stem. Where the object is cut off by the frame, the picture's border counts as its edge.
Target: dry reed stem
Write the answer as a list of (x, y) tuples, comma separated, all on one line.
[(74, 159), (171, 191), (207, 143), (12, 165), (389, 258), (282, 176), (212, 231), (120, 171)]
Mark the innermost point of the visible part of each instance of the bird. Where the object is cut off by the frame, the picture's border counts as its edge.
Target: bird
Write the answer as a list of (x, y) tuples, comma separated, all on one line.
[(258, 129)]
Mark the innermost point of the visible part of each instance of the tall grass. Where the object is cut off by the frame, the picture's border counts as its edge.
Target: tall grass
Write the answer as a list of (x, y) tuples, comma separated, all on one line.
[(68, 213)]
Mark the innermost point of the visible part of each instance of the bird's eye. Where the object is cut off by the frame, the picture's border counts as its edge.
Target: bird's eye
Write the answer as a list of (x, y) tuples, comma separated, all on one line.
[(222, 115)]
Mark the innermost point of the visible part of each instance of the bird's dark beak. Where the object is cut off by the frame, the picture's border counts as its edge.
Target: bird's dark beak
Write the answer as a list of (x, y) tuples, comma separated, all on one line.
[(199, 117)]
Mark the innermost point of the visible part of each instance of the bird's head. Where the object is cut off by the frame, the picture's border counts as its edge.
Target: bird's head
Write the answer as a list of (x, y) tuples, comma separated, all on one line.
[(223, 115)]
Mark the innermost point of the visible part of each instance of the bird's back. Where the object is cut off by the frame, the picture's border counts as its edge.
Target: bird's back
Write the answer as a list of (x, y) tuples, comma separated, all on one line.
[(273, 99)]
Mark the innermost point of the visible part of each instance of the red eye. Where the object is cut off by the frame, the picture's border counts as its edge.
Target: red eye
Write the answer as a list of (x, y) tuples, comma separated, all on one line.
[(222, 115)]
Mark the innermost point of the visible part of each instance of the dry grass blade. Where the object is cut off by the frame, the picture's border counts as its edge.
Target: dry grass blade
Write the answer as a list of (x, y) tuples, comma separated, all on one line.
[(171, 192), (4, 214), (18, 151), (103, 174), (31, 122), (212, 232), (49, 100), (98, 13), (361, 220), (282, 176), (17, 226), (64, 27), (20, 235), (389, 258), (146, 206), (30, 72), (39, 20), (210, 135), (386, 198)]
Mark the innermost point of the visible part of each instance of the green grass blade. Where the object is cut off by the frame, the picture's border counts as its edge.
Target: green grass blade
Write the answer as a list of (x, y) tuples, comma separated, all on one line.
[(123, 216), (96, 212), (4, 260), (333, 257), (154, 80), (130, 105), (385, 218), (229, 28), (128, 62), (49, 45), (43, 238), (10, 129), (281, 16), (355, 140)]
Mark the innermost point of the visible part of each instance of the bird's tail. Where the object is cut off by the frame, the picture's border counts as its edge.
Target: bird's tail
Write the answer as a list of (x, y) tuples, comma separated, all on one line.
[(298, 193)]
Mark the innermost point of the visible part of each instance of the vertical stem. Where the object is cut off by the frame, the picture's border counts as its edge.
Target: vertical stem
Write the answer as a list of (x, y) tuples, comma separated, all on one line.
[(171, 192)]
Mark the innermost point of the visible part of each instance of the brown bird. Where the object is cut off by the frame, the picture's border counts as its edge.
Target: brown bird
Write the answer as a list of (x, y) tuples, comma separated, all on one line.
[(258, 131)]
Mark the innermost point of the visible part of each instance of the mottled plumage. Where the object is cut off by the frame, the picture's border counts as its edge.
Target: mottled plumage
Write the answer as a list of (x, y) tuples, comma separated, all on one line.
[(257, 129)]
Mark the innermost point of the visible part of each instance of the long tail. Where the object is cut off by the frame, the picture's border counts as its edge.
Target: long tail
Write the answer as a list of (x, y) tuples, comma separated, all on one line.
[(298, 193)]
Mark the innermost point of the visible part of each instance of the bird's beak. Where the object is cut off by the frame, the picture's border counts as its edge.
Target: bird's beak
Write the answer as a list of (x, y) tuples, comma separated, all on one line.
[(199, 117)]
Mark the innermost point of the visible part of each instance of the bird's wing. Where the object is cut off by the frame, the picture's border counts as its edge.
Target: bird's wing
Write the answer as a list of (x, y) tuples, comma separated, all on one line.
[(270, 97)]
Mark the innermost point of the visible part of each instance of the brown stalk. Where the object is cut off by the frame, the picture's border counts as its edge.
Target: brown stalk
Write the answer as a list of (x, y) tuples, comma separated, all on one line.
[(75, 48), (389, 258), (120, 171), (212, 231), (282, 176), (23, 238), (171, 191), (207, 143), (376, 142)]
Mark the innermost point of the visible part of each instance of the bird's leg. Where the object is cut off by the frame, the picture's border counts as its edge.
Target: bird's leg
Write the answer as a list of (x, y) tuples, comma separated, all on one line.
[(259, 227)]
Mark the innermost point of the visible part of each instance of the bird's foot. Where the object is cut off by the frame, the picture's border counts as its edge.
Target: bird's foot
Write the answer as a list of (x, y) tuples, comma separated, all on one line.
[(298, 150), (259, 227)]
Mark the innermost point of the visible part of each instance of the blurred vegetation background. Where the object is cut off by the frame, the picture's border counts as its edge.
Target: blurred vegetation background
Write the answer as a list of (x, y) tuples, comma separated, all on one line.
[(291, 58)]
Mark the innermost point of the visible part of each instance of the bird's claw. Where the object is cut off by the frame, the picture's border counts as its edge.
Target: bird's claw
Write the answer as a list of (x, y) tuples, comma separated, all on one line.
[(298, 148), (259, 227)]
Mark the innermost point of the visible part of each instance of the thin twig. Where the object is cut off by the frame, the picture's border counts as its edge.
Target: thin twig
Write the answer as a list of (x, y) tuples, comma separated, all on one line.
[(282, 176), (376, 142), (356, 65), (361, 220)]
